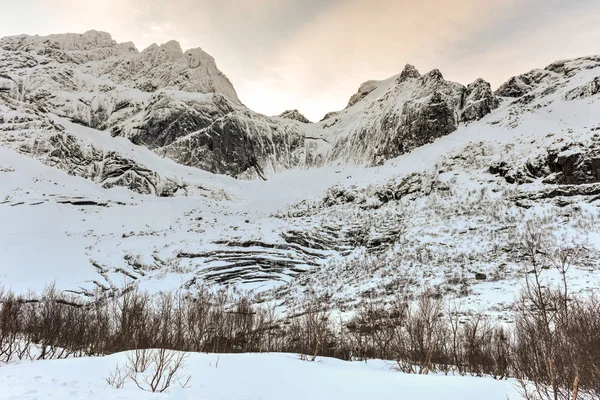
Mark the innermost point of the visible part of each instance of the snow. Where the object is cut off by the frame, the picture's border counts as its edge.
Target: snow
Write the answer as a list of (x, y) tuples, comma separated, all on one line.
[(247, 377), (459, 219), (86, 247), (60, 242)]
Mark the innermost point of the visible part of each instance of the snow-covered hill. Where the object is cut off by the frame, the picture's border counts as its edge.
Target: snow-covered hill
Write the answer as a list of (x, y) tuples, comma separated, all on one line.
[(236, 376), (117, 166)]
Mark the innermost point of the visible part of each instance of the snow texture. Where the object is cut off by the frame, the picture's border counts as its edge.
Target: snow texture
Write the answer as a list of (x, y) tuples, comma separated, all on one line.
[(246, 376)]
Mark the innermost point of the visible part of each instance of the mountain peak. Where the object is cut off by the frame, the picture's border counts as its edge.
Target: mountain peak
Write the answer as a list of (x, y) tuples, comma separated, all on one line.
[(295, 115), (433, 75), (196, 57), (409, 72), (170, 50), (78, 48)]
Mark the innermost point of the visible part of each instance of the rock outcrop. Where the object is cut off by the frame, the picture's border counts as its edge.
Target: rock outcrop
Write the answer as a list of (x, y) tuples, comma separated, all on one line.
[(294, 115), (32, 133), (402, 113), (479, 101)]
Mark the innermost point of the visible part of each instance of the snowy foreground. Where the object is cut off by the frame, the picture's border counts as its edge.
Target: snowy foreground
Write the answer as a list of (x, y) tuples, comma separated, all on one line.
[(245, 377)]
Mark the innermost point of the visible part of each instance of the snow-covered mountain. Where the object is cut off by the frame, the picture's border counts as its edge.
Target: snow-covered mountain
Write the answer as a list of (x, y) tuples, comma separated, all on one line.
[(176, 103), (385, 119), (118, 166), (180, 105)]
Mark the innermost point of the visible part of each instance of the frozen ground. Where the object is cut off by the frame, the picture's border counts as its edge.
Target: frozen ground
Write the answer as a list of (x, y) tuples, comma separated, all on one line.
[(247, 377)]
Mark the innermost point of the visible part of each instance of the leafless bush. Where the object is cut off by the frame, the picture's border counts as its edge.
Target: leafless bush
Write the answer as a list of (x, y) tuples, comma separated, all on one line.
[(556, 351), (163, 369), (139, 360), (311, 332), (118, 377), (10, 312), (152, 370)]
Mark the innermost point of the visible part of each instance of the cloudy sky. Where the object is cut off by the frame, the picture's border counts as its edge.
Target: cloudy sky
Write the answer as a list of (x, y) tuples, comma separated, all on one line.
[(313, 54)]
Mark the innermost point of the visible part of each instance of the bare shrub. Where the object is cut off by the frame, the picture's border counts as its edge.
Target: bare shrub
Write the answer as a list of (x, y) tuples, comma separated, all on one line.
[(556, 352), (311, 332), (162, 370), (139, 360), (425, 334), (118, 377), (11, 345)]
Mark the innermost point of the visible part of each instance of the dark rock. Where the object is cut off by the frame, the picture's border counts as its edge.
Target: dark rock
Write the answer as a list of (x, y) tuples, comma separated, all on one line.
[(329, 115), (341, 195), (575, 165), (564, 163), (433, 75), (240, 145), (515, 87), (589, 89), (363, 91), (479, 101), (518, 86), (409, 72), (480, 277)]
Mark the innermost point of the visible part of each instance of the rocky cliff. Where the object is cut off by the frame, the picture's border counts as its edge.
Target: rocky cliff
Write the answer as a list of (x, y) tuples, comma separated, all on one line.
[(180, 105)]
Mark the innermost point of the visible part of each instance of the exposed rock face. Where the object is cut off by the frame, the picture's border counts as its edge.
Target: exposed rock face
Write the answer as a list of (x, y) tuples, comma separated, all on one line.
[(363, 91), (574, 163), (329, 115), (515, 87), (409, 72), (165, 118), (108, 169), (30, 132), (294, 115), (589, 89), (235, 145), (402, 113), (518, 86), (479, 101), (569, 68), (562, 163)]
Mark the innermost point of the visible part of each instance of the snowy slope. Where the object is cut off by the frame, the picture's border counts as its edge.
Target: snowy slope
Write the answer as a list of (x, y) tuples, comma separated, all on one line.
[(92, 201), (234, 377)]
